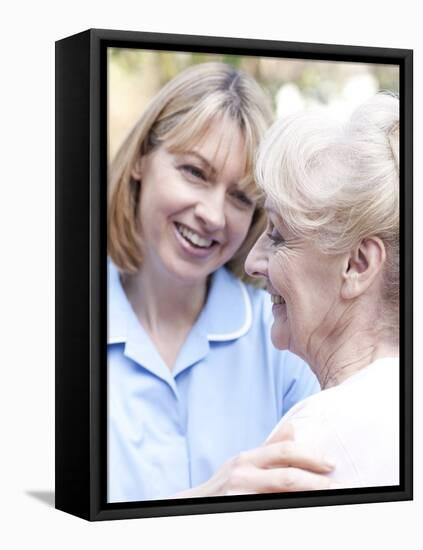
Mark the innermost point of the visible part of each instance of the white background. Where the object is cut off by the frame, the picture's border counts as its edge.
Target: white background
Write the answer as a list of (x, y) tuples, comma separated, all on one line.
[(28, 32)]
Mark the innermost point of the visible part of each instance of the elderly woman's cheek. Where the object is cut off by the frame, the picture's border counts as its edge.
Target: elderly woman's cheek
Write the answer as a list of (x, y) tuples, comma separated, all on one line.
[(283, 271)]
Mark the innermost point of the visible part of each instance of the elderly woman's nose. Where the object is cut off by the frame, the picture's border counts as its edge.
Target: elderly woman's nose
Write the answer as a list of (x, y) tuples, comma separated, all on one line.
[(256, 262)]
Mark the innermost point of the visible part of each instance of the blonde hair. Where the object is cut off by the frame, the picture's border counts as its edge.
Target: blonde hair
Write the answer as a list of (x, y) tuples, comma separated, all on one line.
[(338, 183), (180, 115)]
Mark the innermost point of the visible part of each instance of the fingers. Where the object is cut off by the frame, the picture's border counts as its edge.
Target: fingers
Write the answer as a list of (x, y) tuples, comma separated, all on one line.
[(287, 480), (287, 454), (276, 468), (251, 480)]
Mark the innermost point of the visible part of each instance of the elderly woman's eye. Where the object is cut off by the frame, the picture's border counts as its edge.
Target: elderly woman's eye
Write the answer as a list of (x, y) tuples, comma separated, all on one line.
[(274, 235), (193, 171)]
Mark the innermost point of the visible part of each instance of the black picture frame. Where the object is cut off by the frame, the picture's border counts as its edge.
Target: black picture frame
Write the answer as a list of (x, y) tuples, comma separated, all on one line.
[(81, 278)]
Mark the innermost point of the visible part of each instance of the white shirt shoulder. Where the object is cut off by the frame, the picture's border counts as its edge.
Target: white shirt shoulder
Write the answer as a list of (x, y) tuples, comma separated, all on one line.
[(355, 425)]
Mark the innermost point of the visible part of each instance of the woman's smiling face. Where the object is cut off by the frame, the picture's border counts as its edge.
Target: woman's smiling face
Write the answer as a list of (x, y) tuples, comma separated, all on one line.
[(193, 214), (305, 285)]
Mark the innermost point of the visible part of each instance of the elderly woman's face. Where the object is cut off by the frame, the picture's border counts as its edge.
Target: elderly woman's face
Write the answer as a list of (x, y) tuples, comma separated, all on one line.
[(193, 214), (305, 287)]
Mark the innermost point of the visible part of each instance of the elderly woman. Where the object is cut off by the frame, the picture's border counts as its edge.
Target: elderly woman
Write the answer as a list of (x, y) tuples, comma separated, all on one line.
[(330, 257)]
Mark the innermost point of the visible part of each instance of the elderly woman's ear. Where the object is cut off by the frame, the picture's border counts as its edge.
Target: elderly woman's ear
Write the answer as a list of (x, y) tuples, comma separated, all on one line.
[(363, 267)]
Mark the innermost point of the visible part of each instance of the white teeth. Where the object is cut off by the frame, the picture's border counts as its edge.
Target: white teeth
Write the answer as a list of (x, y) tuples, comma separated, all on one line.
[(277, 299), (193, 237)]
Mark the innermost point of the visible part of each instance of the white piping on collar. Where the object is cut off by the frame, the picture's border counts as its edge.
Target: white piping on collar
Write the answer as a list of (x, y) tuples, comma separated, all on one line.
[(247, 323)]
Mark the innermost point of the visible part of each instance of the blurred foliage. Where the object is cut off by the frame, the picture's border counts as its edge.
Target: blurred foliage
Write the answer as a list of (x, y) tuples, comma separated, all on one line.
[(136, 75)]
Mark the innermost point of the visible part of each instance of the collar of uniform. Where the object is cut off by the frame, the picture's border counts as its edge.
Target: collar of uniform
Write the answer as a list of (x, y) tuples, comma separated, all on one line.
[(227, 313), (226, 316), (228, 310)]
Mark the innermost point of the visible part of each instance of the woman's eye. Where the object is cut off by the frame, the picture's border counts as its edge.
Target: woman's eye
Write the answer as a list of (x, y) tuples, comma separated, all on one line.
[(242, 197), (193, 171)]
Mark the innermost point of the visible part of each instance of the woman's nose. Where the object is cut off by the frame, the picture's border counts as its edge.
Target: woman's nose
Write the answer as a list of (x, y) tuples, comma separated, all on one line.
[(211, 211), (256, 262)]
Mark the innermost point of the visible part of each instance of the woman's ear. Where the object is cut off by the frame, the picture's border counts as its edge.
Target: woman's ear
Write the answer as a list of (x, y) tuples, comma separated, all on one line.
[(362, 267), (137, 169)]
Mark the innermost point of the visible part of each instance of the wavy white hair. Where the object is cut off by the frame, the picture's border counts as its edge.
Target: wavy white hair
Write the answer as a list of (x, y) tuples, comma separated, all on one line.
[(338, 182)]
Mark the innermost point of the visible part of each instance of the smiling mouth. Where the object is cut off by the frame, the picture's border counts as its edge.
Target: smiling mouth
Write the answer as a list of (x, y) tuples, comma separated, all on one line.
[(276, 299), (193, 238)]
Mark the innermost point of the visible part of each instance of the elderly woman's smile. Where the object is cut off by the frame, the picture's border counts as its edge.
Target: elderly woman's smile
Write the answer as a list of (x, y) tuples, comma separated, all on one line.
[(304, 285), (277, 299)]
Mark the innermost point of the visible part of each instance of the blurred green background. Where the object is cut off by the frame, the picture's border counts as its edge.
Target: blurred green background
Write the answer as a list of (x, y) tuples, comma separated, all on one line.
[(134, 76)]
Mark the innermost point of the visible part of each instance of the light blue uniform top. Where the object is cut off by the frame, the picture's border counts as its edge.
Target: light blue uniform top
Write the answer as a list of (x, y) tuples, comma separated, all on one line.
[(171, 430)]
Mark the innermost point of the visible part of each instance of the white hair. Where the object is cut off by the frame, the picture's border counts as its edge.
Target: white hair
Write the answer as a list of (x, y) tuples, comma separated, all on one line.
[(338, 182)]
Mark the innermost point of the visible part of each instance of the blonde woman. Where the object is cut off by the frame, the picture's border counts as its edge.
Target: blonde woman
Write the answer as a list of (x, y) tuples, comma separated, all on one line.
[(193, 380), (330, 258)]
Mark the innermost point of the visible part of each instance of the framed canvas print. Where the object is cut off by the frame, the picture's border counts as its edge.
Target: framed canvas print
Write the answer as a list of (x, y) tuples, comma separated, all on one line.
[(233, 274)]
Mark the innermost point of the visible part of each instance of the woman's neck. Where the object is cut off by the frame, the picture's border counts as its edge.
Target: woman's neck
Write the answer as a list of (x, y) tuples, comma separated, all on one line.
[(159, 302), (352, 357), (349, 348)]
